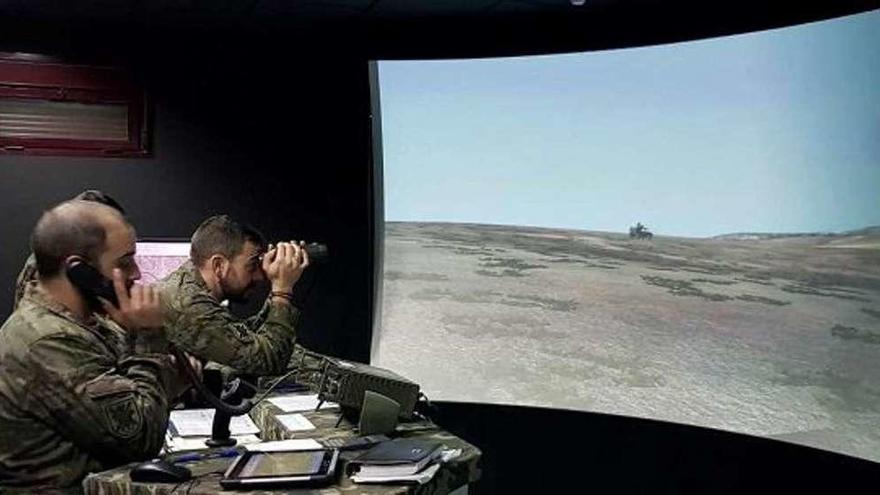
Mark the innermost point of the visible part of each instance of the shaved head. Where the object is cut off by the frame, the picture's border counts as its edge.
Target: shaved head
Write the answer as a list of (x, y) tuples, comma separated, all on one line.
[(73, 228), (100, 197)]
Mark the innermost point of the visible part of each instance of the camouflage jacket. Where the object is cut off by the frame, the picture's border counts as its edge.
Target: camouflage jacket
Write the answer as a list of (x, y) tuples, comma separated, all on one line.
[(76, 397), (197, 323), (27, 275)]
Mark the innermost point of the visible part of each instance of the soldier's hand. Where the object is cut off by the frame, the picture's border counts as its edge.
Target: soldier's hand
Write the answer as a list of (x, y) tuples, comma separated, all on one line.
[(139, 310), (284, 265)]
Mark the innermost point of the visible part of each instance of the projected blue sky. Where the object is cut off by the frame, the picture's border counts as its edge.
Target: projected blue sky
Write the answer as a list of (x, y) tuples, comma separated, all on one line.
[(776, 131)]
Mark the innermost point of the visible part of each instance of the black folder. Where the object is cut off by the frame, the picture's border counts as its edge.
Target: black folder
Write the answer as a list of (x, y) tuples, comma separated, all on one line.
[(401, 454)]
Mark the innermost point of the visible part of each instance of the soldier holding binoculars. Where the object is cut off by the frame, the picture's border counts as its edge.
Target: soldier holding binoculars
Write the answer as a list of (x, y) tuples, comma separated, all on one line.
[(227, 260)]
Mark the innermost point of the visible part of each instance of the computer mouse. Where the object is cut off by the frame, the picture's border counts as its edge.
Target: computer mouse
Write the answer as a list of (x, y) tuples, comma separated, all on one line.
[(159, 471)]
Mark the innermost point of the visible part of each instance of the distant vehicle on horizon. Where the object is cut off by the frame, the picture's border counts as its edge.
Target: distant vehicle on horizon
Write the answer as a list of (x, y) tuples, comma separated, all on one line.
[(639, 231)]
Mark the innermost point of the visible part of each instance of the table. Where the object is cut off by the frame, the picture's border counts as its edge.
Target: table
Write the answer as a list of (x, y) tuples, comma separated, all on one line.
[(451, 477)]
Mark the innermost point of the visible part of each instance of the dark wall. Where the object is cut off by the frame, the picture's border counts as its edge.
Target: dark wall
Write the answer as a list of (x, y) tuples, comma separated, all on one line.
[(538, 450), (274, 138)]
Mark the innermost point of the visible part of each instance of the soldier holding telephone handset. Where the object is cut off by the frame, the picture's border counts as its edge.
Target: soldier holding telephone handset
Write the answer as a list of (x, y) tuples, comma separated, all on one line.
[(85, 380)]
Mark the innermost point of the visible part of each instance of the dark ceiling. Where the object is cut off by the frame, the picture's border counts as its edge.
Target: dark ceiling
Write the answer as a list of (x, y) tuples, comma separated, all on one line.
[(400, 28)]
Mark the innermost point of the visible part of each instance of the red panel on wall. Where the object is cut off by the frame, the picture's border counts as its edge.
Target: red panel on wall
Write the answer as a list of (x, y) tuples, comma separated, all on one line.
[(51, 108)]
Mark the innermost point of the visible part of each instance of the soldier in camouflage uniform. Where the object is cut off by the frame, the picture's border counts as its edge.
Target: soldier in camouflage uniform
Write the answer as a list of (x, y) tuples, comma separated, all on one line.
[(29, 273), (226, 262), (78, 393)]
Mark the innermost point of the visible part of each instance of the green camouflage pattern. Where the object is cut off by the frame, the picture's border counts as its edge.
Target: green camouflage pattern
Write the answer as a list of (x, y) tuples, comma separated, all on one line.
[(197, 323), (207, 473), (76, 397), (265, 415), (309, 366), (304, 368), (27, 275)]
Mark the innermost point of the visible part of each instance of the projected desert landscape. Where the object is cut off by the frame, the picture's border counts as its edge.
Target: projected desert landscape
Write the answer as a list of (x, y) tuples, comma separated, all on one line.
[(771, 335)]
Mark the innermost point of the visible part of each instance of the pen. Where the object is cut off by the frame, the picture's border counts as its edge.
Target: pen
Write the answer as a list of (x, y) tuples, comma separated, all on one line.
[(195, 456)]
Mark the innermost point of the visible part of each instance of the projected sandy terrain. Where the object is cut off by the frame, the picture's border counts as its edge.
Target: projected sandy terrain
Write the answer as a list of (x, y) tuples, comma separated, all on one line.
[(768, 335)]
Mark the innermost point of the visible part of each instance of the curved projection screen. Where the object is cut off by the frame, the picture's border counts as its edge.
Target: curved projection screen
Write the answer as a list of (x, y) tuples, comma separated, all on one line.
[(687, 232)]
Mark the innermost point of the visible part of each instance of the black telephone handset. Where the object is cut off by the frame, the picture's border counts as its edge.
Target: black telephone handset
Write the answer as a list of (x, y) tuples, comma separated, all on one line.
[(91, 283), (218, 403)]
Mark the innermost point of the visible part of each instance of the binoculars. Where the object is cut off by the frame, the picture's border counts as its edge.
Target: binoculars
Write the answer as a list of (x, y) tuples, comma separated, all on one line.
[(317, 252)]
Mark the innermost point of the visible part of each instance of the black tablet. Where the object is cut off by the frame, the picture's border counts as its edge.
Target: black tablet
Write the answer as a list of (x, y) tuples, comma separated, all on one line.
[(285, 468)]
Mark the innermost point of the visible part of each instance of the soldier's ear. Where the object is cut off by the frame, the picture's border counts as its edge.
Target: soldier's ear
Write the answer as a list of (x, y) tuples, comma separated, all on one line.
[(219, 265)]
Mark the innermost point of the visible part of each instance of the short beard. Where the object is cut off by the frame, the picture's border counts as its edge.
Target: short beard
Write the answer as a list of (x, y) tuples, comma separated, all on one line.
[(231, 295)]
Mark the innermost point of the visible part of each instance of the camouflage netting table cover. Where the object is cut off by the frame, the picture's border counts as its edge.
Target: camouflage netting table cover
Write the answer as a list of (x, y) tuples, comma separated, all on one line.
[(207, 473)]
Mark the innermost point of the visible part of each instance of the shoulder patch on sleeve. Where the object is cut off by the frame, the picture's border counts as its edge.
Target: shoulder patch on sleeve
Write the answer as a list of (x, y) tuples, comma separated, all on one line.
[(123, 416)]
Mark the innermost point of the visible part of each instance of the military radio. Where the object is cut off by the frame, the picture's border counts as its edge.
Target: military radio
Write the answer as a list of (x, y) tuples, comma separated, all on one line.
[(309, 366), (345, 382)]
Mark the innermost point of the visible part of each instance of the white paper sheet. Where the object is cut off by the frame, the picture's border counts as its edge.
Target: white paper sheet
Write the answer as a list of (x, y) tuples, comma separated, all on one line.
[(421, 477), (295, 422), (197, 423), (180, 444), (299, 403)]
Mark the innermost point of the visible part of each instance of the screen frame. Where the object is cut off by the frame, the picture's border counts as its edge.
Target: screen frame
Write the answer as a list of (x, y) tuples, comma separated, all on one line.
[(166, 240), (378, 207), (232, 477)]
